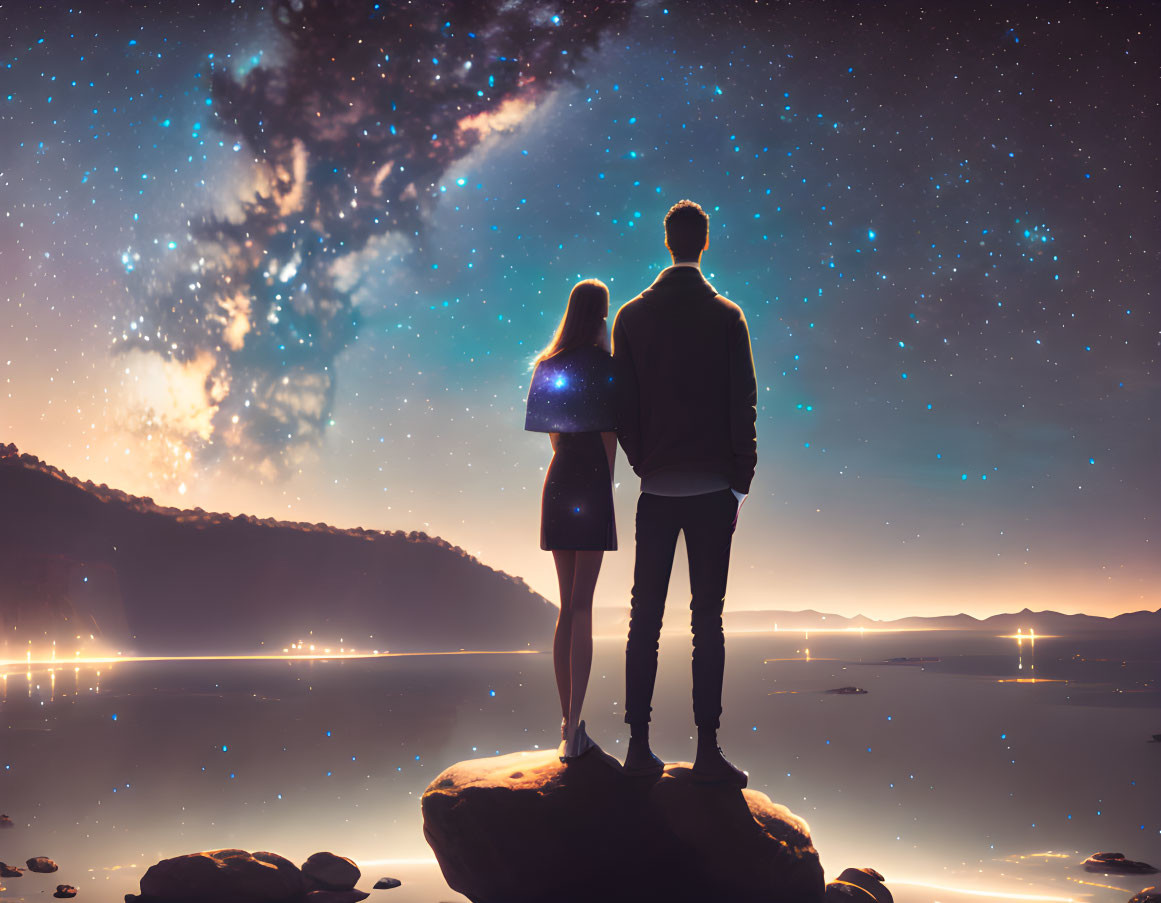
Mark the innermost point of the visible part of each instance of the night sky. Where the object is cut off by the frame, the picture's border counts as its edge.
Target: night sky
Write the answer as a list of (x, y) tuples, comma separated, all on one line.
[(293, 262)]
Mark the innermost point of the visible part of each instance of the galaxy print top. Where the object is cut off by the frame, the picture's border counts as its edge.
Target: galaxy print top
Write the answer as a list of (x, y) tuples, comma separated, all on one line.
[(573, 392)]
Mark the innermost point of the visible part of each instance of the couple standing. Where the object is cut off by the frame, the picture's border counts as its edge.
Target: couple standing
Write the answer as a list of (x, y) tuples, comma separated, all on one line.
[(677, 389)]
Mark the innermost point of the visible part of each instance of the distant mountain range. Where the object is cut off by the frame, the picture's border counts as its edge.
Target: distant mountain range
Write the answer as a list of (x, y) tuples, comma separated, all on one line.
[(80, 559), (616, 621)]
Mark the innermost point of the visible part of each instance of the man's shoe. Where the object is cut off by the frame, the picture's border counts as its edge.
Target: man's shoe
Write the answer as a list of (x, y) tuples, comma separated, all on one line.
[(640, 761), (715, 768)]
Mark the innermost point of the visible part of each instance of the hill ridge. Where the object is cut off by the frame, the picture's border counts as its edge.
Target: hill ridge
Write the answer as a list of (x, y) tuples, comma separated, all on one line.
[(10, 455), (81, 558)]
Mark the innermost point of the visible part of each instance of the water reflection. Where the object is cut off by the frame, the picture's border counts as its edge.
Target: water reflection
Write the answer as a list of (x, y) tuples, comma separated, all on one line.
[(938, 775)]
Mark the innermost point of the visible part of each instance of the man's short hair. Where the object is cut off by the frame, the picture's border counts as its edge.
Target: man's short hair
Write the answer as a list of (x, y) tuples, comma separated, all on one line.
[(686, 228)]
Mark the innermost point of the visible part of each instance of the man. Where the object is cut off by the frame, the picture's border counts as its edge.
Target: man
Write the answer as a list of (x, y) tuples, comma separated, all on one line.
[(686, 420)]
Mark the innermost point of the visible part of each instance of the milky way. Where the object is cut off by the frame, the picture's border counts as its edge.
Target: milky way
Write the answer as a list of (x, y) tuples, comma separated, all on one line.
[(941, 224), (349, 130)]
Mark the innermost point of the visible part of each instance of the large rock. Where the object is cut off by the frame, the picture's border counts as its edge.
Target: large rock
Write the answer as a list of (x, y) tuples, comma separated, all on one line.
[(326, 871), (224, 876), (523, 828), (1148, 895)]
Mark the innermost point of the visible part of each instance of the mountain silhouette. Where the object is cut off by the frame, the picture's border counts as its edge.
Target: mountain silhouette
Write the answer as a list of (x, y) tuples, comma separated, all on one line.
[(78, 559), (612, 621)]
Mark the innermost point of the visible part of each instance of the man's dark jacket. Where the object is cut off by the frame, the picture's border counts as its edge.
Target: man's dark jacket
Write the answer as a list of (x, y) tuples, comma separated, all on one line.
[(686, 397)]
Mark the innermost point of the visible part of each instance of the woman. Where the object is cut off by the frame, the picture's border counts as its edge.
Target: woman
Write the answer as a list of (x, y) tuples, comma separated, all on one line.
[(571, 399)]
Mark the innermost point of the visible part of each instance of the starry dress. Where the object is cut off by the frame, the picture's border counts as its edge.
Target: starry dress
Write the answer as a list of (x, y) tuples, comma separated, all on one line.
[(572, 394)]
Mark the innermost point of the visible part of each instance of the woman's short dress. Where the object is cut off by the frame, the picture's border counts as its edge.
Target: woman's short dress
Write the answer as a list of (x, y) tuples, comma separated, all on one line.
[(572, 394)]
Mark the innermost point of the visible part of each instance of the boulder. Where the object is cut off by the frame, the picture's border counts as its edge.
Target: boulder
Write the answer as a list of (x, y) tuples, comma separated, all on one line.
[(525, 828), (65, 891), (1148, 895), (326, 871), (863, 885), (387, 884), (225, 876), (290, 876), (41, 864), (10, 871)]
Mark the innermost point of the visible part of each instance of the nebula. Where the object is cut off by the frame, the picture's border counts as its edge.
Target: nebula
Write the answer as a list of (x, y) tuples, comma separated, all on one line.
[(364, 108)]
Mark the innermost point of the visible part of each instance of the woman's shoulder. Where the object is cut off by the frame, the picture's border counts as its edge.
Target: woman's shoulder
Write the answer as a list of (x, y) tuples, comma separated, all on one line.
[(584, 356), (581, 352), (585, 359)]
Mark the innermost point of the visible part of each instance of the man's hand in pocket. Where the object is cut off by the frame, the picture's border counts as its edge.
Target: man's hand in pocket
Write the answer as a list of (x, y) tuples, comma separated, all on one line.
[(741, 497)]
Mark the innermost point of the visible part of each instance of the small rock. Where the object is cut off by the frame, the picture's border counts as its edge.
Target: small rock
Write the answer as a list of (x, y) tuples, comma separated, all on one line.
[(848, 691), (337, 896), (1148, 895), (326, 871), (64, 891), (41, 864), (1116, 862), (10, 871), (863, 885), (387, 884), (6, 822)]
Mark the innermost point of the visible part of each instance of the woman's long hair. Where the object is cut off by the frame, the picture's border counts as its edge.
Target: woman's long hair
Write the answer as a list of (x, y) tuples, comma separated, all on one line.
[(584, 321)]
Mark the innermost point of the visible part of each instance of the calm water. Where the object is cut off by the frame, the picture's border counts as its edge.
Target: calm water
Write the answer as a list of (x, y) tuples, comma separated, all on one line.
[(943, 776)]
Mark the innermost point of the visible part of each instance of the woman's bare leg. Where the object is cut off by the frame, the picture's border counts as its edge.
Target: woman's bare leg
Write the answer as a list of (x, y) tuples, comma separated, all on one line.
[(580, 660), (562, 639)]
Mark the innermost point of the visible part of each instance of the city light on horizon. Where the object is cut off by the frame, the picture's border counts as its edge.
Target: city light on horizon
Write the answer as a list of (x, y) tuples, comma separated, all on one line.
[(80, 661)]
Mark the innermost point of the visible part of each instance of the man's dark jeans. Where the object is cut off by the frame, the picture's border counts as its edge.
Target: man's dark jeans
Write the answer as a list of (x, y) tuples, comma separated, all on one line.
[(708, 523)]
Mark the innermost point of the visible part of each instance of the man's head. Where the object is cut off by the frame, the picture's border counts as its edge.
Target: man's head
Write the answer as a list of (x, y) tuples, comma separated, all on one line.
[(686, 231)]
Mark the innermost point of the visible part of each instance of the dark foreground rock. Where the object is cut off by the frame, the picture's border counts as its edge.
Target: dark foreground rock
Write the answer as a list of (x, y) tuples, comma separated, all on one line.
[(236, 876), (524, 828), (1148, 895), (858, 886), (10, 871)]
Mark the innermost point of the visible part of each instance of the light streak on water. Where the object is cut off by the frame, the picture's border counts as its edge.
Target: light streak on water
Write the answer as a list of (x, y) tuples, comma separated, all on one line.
[(1050, 854), (990, 894), (1123, 890)]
